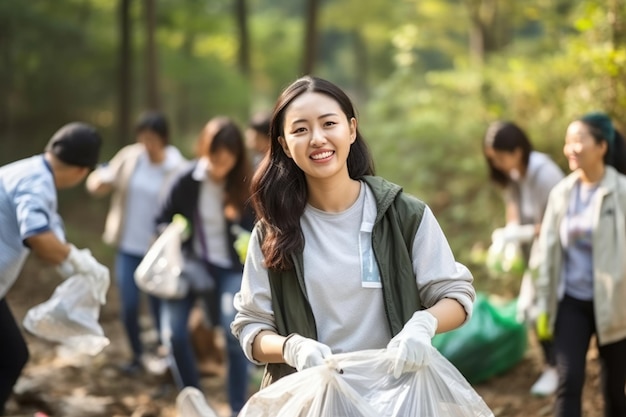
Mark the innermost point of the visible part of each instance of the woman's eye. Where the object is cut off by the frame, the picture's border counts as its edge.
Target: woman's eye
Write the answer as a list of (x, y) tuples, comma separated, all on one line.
[(329, 123)]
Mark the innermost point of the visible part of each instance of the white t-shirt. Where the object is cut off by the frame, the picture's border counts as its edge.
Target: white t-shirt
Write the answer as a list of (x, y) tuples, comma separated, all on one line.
[(211, 237), (143, 196)]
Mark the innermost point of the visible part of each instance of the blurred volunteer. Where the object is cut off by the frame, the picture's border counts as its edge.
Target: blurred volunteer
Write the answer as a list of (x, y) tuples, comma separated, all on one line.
[(526, 178), (258, 137), (212, 194), (581, 281), (138, 177), (30, 222)]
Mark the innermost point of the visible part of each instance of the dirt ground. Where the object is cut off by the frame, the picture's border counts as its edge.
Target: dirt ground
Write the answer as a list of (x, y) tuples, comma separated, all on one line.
[(85, 387)]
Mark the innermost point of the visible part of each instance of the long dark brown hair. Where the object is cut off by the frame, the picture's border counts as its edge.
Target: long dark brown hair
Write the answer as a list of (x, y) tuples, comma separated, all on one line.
[(505, 136), (222, 133), (279, 189)]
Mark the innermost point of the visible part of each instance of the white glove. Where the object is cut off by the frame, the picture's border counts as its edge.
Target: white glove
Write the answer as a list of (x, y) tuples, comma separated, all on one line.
[(300, 352), (81, 261), (77, 261), (412, 347), (514, 233)]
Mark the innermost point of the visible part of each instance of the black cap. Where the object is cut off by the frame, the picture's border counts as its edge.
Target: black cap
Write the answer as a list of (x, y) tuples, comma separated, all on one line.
[(76, 144)]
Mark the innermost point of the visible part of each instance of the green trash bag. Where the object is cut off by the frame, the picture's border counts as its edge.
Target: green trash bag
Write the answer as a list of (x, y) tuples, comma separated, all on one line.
[(491, 343)]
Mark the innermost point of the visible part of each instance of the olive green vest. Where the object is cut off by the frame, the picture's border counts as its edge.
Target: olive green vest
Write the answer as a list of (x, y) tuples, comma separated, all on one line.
[(398, 217)]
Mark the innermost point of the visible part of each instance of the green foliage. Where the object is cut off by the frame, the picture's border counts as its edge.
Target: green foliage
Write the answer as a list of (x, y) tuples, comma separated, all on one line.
[(52, 55), (424, 98), (199, 76), (426, 128), (276, 53)]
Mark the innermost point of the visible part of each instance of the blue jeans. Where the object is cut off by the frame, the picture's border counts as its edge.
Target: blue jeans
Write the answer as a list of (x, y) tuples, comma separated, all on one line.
[(175, 334), (130, 295)]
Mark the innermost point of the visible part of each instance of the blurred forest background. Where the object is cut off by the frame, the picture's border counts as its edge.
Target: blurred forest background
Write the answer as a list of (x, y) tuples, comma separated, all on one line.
[(427, 76)]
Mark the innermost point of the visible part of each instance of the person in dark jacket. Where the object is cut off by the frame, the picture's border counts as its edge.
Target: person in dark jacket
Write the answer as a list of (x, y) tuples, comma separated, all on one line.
[(211, 194)]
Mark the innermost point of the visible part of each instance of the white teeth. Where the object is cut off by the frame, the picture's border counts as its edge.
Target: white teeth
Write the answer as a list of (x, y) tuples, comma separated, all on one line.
[(322, 155)]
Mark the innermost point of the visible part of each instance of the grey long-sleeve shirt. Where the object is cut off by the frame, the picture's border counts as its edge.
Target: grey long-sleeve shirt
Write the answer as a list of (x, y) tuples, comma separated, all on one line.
[(347, 303)]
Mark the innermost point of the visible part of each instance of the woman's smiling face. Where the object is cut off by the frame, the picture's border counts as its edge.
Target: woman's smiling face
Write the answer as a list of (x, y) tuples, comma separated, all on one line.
[(318, 135), (581, 149)]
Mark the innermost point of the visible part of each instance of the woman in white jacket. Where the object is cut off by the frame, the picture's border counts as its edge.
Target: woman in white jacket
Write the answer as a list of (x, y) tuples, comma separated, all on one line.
[(137, 177), (582, 275)]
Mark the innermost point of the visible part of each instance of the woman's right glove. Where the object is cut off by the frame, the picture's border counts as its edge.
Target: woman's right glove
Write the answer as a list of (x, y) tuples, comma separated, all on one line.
[(300, 352), (412, 347)]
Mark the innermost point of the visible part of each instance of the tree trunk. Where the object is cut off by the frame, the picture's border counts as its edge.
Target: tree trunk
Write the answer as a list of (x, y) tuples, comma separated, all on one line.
[(360, 59), (241, 17), (310, 40), (617, 83), (484, 36), (124, 74), (183, 109), (6, 92), (151, 66)]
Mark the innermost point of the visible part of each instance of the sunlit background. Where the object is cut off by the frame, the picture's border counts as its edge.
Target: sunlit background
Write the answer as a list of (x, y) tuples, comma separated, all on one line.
[(426, 76)]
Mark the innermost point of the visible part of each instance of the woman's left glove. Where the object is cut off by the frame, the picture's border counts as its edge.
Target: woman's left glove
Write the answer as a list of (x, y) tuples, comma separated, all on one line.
[(412, 347), (301, 352)]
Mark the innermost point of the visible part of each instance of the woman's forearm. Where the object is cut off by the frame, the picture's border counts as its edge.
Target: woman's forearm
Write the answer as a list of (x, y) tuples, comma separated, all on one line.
[(449, 313), (267, 347)]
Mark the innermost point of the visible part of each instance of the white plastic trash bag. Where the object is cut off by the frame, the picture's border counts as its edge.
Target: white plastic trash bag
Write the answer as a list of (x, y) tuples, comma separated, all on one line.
[(70, 316), (191, 402), (360, 384), (159, 272)]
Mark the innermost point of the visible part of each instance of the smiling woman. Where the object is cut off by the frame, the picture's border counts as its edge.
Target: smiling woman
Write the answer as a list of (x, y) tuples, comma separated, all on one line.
[(318, 137), (591, 143), (332, 238)]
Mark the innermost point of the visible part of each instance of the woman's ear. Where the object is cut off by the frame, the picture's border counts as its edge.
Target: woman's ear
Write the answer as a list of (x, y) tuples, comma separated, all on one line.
[(82, 172), (283, 144), (605, 147)]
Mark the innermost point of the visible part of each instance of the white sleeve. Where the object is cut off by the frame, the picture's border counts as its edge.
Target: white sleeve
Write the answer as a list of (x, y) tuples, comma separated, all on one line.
[(253, 302), (437, 272)]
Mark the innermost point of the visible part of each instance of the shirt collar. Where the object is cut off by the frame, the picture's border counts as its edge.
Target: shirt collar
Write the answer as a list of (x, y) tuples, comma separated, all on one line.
[(47, 164), (200, 171)]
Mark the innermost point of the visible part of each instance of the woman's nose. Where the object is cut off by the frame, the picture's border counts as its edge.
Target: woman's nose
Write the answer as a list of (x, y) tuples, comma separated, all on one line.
[(317, 137)]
